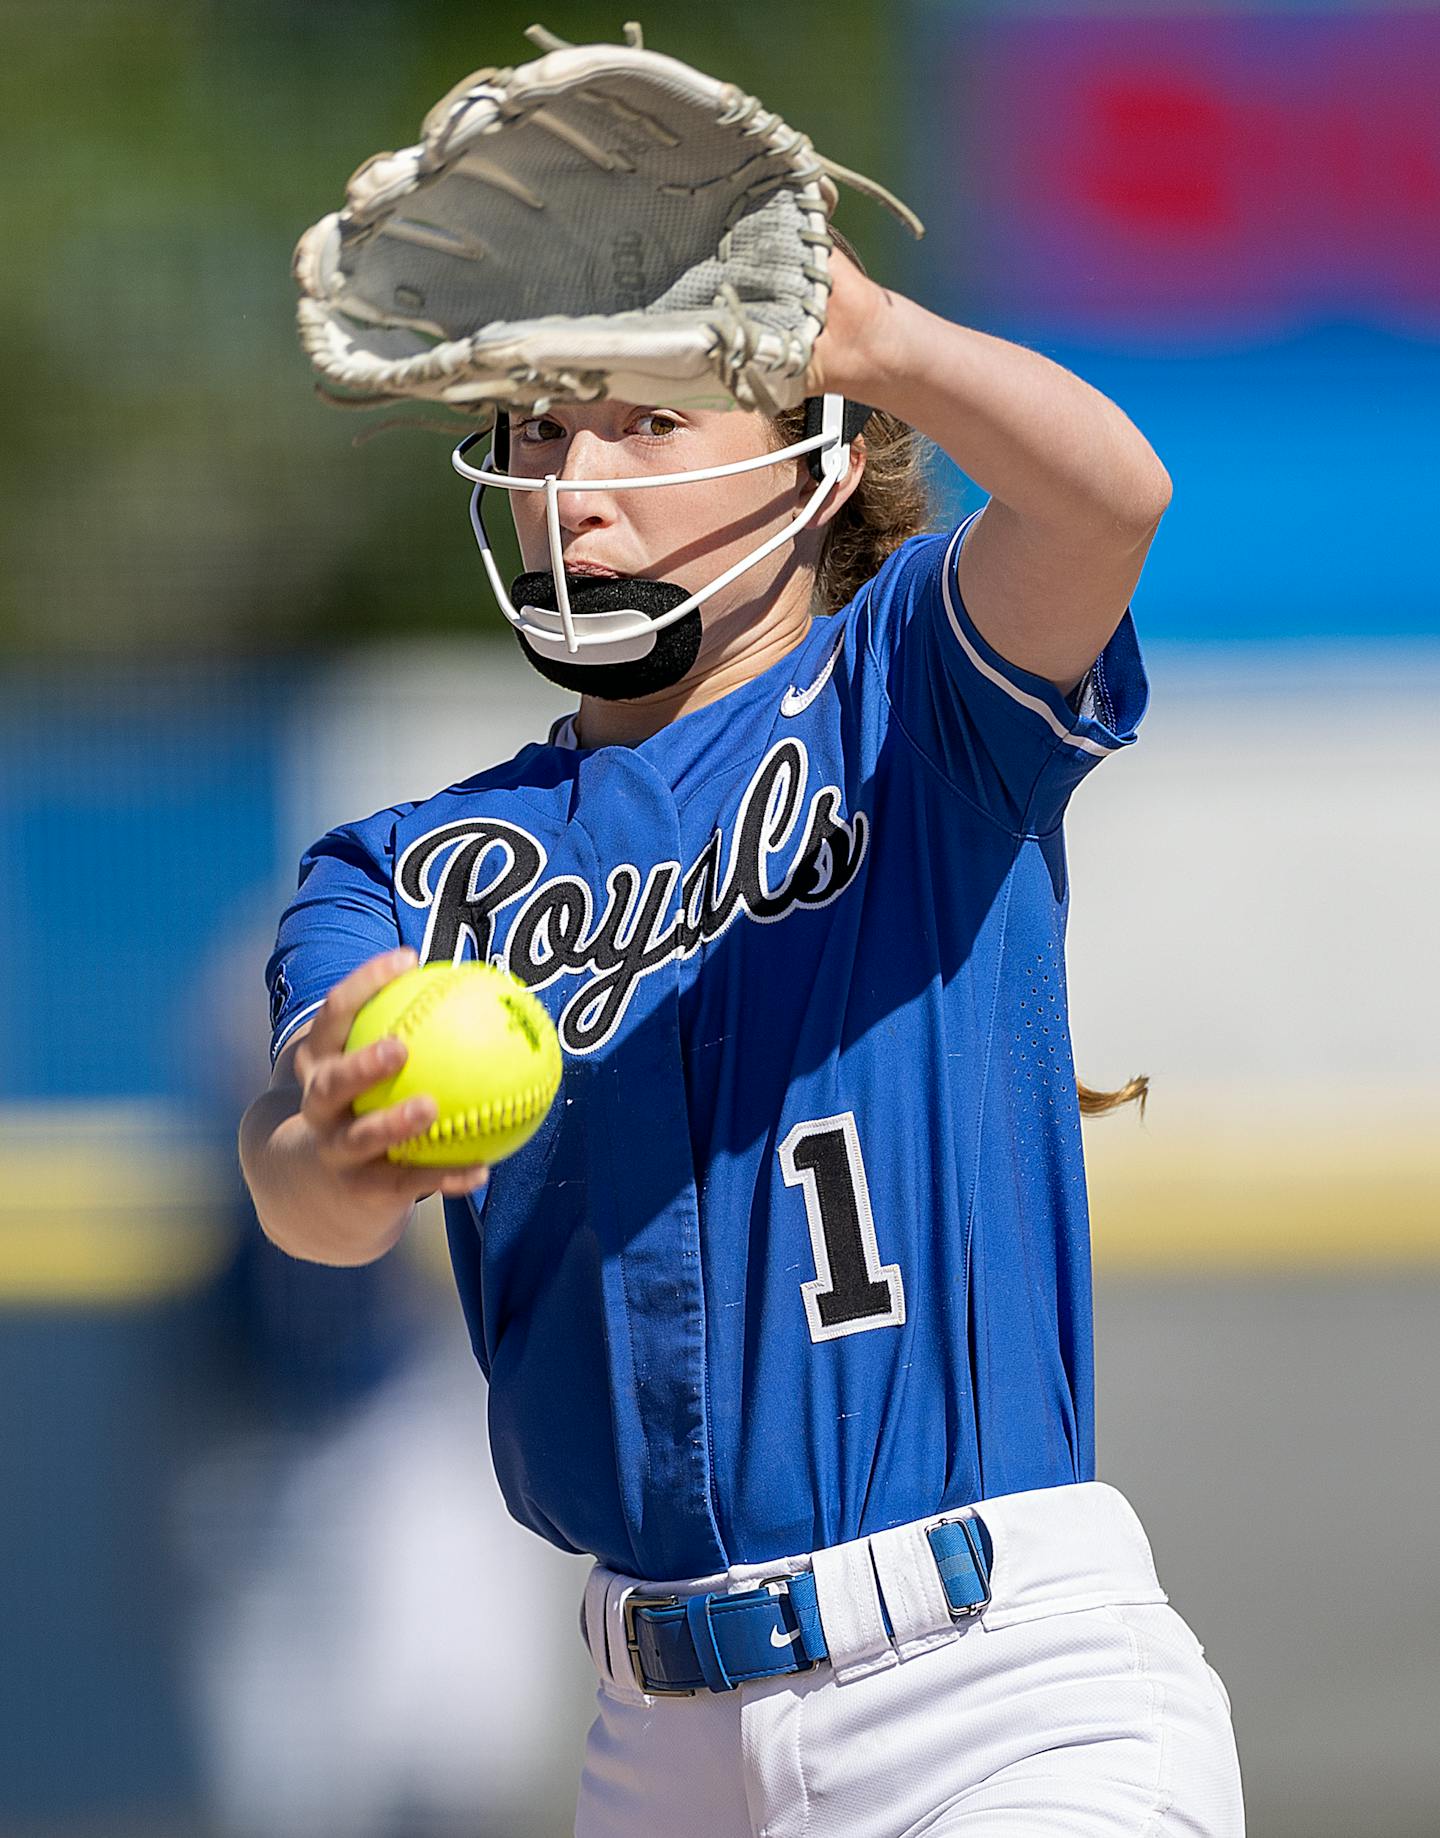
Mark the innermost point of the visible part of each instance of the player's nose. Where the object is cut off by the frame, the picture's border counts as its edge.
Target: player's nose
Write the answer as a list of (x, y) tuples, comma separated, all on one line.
[(585, 510), (590, 458)]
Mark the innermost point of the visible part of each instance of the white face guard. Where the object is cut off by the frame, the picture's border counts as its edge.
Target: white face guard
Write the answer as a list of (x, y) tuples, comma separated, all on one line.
[(625, 636)]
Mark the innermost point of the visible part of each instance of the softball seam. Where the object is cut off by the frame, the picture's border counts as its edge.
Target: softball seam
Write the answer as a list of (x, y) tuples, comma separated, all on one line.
[(482, 1120)]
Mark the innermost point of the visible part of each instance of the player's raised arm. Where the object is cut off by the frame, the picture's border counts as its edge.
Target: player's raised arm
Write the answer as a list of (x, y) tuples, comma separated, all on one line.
[(323, 1187), (1076, 491)]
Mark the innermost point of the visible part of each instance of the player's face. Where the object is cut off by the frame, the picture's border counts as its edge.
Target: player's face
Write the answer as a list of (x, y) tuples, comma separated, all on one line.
[(685, 534)]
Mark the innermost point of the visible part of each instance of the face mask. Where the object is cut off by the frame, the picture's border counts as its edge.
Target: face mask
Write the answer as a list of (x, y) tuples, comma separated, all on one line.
[(623, 638)]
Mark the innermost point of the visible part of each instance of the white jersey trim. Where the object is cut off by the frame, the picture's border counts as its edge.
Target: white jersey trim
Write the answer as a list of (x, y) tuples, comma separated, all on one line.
[(991, 674), (290, 1027)]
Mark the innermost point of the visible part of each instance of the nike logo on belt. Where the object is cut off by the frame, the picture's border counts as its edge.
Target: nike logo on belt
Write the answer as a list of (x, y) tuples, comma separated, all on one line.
[(777, 1639)]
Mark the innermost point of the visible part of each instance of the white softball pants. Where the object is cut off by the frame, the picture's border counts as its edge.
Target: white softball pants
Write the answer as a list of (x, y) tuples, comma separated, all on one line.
[(1077, 1705)]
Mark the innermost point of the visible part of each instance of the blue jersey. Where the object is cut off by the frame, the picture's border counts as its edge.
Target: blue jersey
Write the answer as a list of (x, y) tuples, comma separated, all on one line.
[(801, 1251)]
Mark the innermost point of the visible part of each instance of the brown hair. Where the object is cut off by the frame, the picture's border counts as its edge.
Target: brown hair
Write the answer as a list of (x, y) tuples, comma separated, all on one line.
[(889, 505), (1096, 1103)]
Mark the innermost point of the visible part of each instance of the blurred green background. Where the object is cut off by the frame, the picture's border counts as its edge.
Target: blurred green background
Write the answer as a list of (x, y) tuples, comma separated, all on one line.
[(170, 487), (258, 1583)]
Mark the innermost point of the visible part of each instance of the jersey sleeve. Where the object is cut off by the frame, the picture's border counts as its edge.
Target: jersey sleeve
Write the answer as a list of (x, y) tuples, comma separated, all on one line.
[(1008, 741), (343, 912)]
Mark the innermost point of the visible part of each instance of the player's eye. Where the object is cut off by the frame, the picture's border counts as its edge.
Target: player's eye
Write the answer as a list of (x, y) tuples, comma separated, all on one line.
[(540, 428), (656, 424)]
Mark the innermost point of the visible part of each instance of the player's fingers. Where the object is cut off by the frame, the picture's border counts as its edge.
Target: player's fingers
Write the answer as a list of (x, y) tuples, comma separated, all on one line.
[(407, 1182), (337, 1012), (331, 1085), (456, 1181), (366, 1139)]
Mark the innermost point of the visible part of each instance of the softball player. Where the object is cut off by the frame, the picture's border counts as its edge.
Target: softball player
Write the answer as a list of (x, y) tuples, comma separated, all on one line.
[(786, 1310)]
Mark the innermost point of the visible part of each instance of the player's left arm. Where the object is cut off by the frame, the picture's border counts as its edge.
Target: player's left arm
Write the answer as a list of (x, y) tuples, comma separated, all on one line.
[(1075, 489)]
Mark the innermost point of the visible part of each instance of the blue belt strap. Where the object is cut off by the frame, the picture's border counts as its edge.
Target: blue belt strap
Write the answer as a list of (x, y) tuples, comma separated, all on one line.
[(963, 1557), (700, 1628), (805, 1601), (715, 1642)]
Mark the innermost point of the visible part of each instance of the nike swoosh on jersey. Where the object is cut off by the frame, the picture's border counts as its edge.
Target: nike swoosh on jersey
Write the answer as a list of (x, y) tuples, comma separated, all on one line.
[(777, 1639), (796, 701)]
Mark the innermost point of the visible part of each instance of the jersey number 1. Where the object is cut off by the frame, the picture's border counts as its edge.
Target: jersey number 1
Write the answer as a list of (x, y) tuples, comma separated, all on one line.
[(852, 1289)]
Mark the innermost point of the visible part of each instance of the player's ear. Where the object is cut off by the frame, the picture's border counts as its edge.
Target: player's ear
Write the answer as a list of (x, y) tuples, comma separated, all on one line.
[(846, 487), (853, 419)]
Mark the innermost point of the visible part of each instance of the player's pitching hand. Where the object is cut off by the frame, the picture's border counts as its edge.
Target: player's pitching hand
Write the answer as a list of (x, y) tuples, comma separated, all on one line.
[(354, 1148)]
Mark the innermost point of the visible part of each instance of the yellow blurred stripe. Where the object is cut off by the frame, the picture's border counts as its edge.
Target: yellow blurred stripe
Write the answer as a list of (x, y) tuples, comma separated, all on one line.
[(1243, 1188), (105, 1205), (113, 1205), (93, 1258)]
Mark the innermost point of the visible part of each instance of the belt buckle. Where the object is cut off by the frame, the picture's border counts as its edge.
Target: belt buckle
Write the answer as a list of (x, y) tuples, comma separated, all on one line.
[(969, 1609), (634, 1602)]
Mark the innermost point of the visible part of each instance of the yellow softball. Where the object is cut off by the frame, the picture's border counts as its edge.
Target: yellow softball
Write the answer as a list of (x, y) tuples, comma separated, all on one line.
[(479, 1044)]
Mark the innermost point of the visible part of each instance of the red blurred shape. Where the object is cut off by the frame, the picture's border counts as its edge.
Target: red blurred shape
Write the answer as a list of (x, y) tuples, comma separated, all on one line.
[(1269, 169), (1152, 154)]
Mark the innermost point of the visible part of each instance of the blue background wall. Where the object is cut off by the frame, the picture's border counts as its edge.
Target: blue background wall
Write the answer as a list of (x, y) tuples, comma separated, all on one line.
[(1230, 223)]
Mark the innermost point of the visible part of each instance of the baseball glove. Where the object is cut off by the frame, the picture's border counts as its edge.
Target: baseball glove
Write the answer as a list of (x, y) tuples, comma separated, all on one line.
[(602, 221)]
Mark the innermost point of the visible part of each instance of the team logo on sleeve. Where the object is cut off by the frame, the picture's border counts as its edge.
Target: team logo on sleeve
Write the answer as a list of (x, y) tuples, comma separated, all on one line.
[(470, 873), (279, 996)]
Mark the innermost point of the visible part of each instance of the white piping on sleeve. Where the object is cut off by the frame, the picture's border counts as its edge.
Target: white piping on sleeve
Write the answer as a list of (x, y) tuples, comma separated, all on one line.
[(1046, 713), (290, 1027)]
